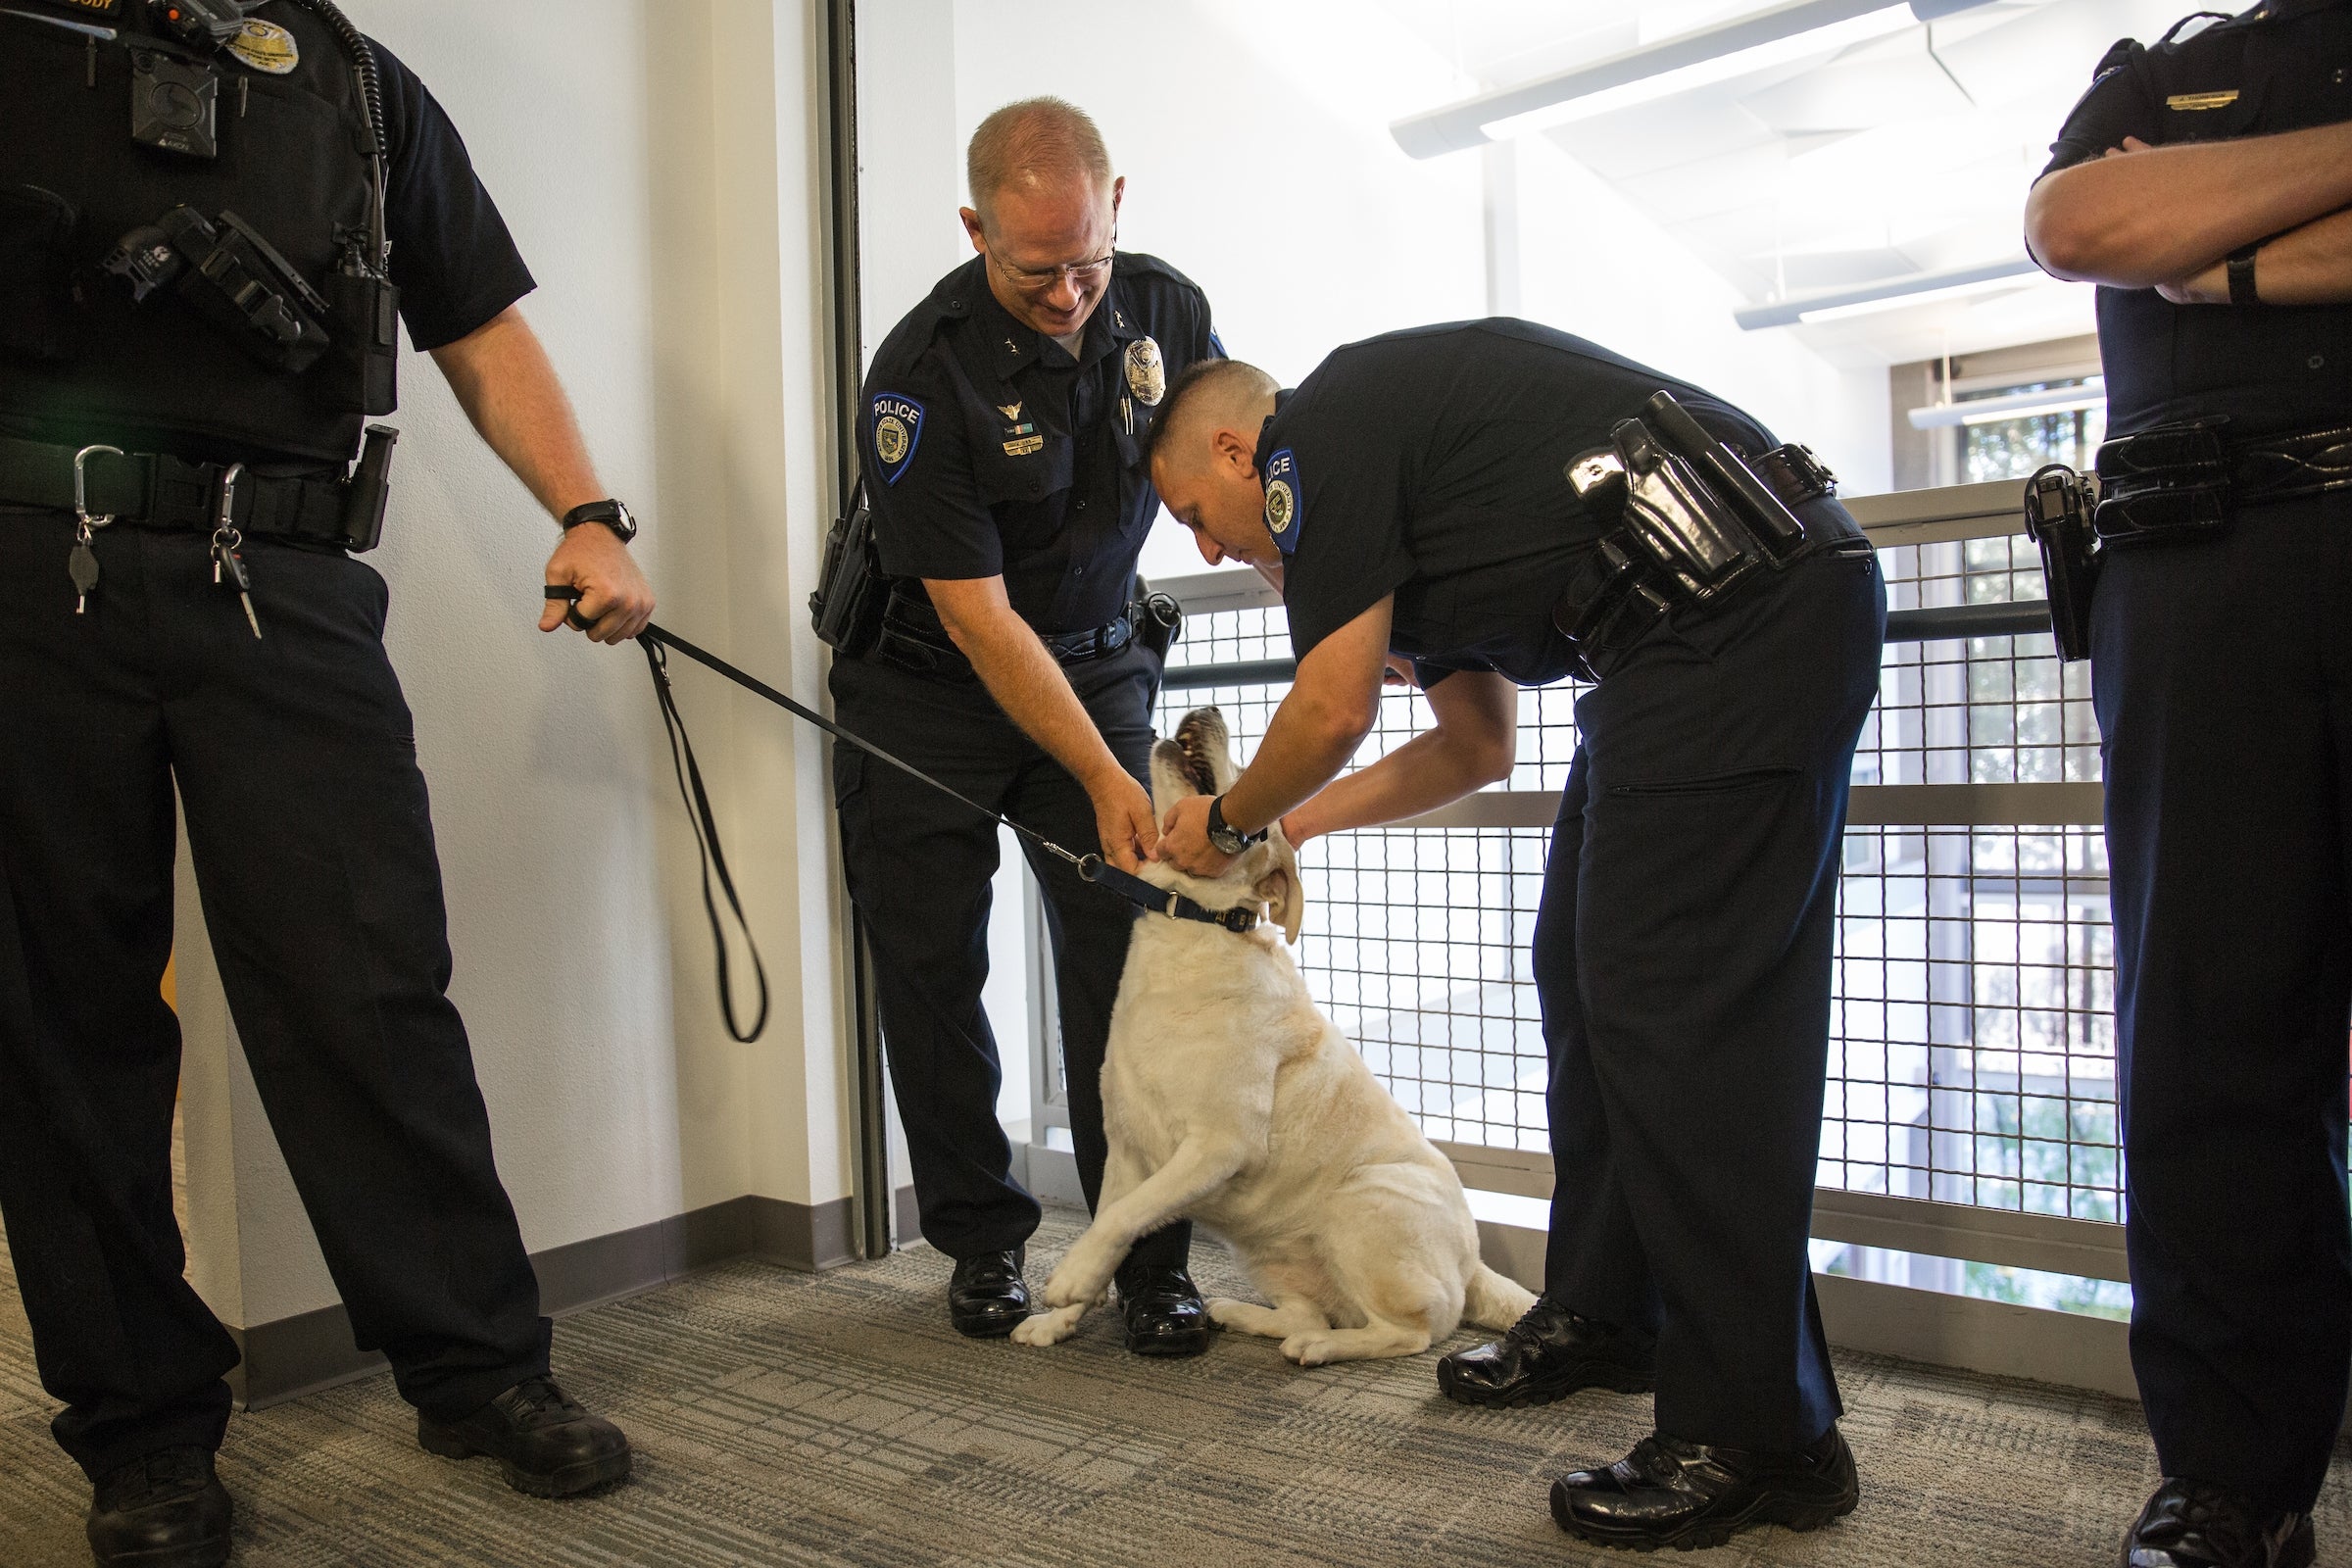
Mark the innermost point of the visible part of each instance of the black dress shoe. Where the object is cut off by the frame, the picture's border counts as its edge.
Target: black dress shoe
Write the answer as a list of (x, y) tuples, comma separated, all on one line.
[(2195, 1524), (164, 1510), (986, 1298), (1163, 1311), (1668, 1493), (1547, 1355), (545, 1444)]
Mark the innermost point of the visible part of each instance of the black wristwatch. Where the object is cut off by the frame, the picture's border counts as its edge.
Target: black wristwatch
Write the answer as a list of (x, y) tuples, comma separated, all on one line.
[(2242, 289), (1228, 840), (611, 513)]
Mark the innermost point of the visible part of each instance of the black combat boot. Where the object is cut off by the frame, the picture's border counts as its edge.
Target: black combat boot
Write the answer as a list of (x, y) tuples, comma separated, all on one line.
[(2195, 1524), (987, 1299), (166, 1509), (1163, 1311), (1548, 1354), (545, 1444), (1668, 1493)]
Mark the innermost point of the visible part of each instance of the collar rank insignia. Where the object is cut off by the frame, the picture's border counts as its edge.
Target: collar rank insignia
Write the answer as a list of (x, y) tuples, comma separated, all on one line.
[(897, 422), (1286, 511), (1146, 375)]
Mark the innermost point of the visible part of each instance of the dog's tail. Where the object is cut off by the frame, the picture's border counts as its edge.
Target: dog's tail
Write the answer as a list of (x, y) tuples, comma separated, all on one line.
[(1493, 1303)]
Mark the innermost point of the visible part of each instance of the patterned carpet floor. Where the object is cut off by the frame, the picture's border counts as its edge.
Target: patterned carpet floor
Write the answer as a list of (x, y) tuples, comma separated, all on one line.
[(791, 1418)]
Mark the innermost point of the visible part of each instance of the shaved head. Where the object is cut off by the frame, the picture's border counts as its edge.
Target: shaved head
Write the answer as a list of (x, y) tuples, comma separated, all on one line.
[(1036, 145), (1210, 395), (1203, 459)]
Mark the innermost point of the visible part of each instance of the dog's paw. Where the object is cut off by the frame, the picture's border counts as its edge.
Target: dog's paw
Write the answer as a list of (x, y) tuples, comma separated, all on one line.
[(1080, 1280), (1311, 1348), (1226, 1313), (1042, 1329)]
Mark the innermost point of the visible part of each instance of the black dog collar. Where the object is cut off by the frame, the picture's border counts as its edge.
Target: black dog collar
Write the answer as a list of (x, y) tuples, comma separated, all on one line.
[(1163, 900)]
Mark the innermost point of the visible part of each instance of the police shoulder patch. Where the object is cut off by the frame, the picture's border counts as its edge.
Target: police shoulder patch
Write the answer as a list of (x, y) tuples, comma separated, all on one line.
[(897, 427), (1286, 505)]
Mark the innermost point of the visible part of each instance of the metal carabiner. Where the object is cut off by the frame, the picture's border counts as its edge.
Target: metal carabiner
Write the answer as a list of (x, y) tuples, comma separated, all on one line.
[(82, 495)]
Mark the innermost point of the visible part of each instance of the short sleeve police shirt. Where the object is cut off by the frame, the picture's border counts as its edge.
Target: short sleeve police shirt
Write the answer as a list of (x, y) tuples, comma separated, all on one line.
[(990, 451), (1431, 465), (451, 256), (2281, 66)]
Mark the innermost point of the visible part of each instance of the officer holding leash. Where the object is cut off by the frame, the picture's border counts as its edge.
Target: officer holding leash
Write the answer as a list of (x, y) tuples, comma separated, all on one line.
[(212, 217), (2206, 185), (1003, 449), (1510, 506)]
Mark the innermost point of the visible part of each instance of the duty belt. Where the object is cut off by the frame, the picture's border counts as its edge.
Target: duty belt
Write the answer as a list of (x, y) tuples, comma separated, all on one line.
[(913, 636), (2189, 479), (157, 490)]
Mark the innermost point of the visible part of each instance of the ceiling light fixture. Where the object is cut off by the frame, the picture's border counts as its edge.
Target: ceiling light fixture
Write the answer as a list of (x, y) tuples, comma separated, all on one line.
[(1716, 53), (1893, 294)]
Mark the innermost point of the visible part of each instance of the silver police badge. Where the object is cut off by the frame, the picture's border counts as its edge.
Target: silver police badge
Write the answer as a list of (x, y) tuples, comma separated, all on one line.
[(1147, 377)]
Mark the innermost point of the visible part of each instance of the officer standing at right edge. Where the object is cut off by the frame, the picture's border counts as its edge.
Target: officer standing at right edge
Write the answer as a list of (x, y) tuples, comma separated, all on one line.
[(2206, 185), (1001, 441)]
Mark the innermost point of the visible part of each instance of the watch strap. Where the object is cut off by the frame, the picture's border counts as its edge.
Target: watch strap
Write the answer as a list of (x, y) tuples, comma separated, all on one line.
[(1224, 835), (610, 512), (2242, 287)]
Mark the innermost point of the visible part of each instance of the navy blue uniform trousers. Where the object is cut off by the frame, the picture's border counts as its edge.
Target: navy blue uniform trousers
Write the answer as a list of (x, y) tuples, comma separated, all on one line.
[(2221, 670), (295, 758), (1683, 955), (920, 868)]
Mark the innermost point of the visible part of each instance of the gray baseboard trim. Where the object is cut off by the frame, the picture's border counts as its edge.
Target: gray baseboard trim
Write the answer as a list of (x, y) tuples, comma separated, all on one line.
[(2069, 1348), (289, 1357)]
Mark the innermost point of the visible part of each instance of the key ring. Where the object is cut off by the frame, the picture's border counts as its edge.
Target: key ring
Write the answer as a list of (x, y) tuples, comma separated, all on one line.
[(81, 498), (226, 535)]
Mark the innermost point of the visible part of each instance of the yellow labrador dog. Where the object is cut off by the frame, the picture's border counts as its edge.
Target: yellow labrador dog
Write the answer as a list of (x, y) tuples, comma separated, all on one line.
[(1231, 1100)]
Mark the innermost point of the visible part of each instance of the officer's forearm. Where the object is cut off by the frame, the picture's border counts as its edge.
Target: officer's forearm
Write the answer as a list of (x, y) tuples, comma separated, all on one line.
[(2142, 218), (1472, 745), (1331, 708), (2308, 266), (509, 388), (1023, 678)]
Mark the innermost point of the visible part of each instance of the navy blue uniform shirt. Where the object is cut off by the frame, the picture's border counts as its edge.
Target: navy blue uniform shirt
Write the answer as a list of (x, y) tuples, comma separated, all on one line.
[(454, 262), (2286, 65), (991, 451), (1432, 464)]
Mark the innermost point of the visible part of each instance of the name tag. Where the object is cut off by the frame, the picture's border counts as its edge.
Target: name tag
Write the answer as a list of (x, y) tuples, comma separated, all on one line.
[(2202, 100)]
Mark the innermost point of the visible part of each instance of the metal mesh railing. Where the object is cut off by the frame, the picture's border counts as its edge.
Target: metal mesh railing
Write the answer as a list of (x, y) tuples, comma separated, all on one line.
[(1972, 1049)]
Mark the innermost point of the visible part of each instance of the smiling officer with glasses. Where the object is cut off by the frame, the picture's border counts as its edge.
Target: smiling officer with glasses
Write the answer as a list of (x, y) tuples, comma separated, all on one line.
[(1002, 440)]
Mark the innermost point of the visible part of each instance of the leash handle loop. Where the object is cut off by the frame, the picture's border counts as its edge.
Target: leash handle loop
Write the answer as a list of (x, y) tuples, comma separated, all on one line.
[(707, 850)]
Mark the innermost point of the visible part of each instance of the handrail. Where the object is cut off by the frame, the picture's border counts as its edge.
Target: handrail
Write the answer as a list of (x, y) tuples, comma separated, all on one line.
[(1902, 518)]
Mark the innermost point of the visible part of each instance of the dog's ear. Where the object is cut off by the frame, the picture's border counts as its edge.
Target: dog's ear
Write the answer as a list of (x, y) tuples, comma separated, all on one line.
[(1278, 885)]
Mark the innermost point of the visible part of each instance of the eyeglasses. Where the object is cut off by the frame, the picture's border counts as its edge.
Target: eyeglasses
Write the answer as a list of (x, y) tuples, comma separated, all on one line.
[(1038, 279)]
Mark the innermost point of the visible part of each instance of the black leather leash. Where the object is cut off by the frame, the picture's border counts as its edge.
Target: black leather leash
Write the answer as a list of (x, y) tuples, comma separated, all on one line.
[(656, 639)]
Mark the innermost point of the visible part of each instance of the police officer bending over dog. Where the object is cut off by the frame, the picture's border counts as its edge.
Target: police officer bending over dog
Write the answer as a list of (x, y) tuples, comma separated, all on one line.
[(2206, 185), (1003, 449), (197, 314), (1508, 506)]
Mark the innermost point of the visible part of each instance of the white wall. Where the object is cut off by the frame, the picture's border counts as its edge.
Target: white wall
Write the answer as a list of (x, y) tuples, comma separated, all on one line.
[(1590, 262), (658, 161)]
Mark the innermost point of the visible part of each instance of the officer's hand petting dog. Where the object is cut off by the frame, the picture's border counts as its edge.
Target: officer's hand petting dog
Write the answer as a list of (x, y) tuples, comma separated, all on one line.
[(509, 389)]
